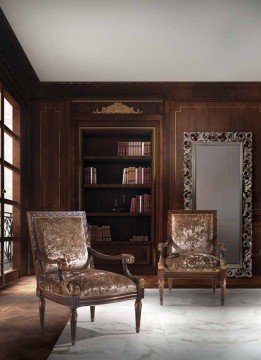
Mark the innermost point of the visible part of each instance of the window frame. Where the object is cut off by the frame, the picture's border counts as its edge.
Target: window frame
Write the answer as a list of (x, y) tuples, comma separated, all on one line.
[(15, 201)]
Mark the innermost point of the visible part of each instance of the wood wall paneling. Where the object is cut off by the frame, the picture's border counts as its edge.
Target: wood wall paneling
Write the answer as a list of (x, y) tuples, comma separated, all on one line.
[(176, 118), (214, 116), (257, 247), (50, 156)]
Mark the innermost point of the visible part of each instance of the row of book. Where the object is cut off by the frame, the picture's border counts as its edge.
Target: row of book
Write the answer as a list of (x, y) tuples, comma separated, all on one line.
[(139, 238), (100, 233), (139, 175), (141, 204), (134, 148), (90, 175)]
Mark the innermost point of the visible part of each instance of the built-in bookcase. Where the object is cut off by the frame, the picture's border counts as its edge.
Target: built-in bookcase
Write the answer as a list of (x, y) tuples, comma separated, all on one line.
[(102, 196)]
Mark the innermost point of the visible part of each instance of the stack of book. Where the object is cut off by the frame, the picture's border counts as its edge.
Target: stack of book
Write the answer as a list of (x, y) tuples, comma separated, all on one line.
[(139, 238), (141, 204), (90, 175), (100, 233), (134, 148), (133, 175)]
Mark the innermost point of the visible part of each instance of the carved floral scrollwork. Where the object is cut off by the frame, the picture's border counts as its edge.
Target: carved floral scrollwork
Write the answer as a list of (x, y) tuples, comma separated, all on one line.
[(117, 108), (246, 139)]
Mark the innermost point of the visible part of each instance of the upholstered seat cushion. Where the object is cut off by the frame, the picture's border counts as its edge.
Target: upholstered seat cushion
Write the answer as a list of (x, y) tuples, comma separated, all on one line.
[(92, 282), (192, 262)]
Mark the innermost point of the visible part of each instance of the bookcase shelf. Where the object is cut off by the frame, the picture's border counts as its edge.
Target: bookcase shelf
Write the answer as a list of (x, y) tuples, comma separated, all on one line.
[(98, 153), (123, 159), (119, 214), (116, 186)]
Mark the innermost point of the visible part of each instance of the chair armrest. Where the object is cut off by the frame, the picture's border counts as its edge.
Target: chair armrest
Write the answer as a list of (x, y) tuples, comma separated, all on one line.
[(128, 258), (222, 247), (161, 247), (125, 259)]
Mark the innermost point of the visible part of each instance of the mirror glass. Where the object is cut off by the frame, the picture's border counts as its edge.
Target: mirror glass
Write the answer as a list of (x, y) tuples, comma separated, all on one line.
[(217, 185)]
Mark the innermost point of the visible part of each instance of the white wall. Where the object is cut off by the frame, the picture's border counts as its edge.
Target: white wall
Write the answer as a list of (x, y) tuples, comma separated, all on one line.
[(139, 40)]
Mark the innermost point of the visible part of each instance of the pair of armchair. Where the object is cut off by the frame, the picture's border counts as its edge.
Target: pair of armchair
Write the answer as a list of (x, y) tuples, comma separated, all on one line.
[(190, 250), (64, 261), (64, 266)]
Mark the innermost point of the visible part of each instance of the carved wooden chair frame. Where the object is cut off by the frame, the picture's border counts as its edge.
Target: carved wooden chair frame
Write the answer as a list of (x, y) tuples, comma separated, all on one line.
[(163, 273), (73, 300)]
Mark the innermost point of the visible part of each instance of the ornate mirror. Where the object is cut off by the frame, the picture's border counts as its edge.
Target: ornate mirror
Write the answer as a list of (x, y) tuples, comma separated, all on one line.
[(218, 176)]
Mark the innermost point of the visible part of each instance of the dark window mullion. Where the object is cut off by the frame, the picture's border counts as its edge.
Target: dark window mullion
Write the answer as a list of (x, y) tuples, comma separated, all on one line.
[(10, 202), (10, 133), (10, 166), (2, 186)]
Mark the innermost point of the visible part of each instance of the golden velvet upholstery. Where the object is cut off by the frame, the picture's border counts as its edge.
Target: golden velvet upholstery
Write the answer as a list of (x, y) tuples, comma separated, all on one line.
[(91, 282), (62, 237), (64, 265), (192, 262), (191, 232), (191, 249)]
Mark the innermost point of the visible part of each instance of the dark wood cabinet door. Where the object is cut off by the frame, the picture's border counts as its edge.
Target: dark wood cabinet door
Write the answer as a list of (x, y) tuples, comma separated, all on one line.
[(50, 152)]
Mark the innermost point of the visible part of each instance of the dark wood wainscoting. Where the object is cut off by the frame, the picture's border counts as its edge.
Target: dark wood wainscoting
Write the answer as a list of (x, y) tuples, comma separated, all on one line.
[(183, 107), (49, 155)]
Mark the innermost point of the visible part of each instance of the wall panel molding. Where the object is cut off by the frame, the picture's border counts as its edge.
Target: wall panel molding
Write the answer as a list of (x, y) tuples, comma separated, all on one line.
[(165, 90)]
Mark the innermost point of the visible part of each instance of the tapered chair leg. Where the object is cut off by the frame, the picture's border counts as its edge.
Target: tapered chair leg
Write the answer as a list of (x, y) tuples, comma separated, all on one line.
[(161, 289), (223, 284), (92, 308), (41, 311), (170, 284), (214, 284), (138, 307), (73, 321)]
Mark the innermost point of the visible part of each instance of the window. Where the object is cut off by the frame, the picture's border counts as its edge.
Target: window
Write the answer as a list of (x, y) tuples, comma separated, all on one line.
[(9, 184)]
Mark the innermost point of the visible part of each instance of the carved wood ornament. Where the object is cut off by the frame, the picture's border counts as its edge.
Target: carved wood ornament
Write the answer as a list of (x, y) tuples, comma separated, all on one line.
[(117, 108)]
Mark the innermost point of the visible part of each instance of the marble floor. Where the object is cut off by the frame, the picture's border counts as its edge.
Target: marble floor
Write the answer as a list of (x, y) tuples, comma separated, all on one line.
[(190, 325)]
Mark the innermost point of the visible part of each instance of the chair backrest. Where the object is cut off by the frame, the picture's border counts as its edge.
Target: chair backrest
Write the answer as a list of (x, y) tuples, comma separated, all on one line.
[(192, 230), (58, 235)]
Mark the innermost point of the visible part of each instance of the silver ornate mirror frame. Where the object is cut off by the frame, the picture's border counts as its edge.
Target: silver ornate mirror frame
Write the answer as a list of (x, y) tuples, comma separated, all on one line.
[(190, 138)]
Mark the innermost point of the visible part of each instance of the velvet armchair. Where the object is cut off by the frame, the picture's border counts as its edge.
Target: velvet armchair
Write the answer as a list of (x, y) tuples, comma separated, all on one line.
[(190, 251), (64, 267)]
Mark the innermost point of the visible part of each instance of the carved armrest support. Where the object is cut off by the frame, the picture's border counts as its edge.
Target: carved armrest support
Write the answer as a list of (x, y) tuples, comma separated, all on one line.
[(222, 247), (61, 263), (70, 288), (161, 247)]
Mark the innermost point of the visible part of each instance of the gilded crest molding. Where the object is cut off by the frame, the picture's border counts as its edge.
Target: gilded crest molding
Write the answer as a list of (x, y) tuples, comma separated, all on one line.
[(117, 108)]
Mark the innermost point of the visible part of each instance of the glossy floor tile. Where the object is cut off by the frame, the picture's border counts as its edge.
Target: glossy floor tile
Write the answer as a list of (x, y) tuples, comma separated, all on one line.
[(190, 325)]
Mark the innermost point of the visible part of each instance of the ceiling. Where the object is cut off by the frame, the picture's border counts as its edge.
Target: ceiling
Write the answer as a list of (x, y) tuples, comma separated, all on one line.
[(139, 40)]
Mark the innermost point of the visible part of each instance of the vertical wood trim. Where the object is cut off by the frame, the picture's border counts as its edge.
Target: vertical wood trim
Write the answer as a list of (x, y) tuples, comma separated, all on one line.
[(42, 112)]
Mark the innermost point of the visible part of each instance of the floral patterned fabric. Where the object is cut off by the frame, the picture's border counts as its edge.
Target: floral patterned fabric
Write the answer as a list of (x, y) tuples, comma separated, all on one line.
[(191, 232), (92, 282), (62, 237), (192, 262)]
